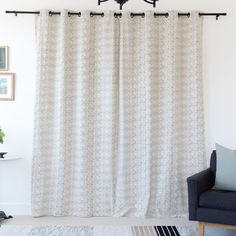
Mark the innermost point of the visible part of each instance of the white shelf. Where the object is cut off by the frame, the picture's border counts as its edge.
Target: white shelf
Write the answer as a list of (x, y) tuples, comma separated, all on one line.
[(10, 158)]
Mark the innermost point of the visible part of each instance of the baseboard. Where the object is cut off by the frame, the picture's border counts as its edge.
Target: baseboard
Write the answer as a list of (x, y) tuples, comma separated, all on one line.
[(16, 208), (105, 221)]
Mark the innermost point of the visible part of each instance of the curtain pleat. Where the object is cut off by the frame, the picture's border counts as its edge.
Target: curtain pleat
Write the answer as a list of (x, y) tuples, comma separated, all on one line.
[(118, 115)]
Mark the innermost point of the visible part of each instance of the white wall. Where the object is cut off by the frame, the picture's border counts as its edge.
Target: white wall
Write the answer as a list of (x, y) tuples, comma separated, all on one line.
[(16, 118)]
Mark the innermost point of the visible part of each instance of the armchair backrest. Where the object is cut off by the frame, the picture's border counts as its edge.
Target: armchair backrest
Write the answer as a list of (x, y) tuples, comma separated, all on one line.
[(213, 162)]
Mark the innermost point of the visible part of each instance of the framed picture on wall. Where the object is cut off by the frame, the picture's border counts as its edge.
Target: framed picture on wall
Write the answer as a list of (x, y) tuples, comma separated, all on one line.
[(7, 86), (4, 58)]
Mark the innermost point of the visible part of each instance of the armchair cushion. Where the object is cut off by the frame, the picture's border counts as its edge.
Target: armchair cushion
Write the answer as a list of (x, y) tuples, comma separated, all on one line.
[(225, 169), (216, 199)]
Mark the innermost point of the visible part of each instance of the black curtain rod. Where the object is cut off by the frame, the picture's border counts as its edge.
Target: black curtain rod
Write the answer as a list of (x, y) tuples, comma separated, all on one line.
[(132, 14)]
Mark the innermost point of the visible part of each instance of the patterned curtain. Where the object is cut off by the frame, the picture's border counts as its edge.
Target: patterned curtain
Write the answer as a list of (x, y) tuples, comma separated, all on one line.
[(119, 114)]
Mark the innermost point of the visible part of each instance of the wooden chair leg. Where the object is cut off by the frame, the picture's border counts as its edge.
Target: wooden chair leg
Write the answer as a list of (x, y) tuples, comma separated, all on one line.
[(201, 228)]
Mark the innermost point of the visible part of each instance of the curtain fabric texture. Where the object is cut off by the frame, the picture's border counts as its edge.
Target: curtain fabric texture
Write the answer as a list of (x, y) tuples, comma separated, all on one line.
[(119, 114)]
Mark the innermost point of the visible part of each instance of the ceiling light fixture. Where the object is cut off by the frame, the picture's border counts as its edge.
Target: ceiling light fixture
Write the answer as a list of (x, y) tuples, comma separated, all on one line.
[(122, 2)]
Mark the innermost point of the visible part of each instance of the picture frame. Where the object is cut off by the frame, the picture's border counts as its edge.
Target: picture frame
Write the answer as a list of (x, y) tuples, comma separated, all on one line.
[(7, 86), (4, 51)]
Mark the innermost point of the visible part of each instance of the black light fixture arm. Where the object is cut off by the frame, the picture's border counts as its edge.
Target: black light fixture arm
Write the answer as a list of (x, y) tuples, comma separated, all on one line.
[(153, 2), (100, 1), (122, 2)]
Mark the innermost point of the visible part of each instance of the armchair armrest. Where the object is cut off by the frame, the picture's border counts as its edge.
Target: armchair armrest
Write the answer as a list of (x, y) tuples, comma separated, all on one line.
[(198, 184)]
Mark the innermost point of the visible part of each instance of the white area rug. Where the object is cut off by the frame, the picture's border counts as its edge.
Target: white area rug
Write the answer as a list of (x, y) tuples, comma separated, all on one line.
[(9, 230)]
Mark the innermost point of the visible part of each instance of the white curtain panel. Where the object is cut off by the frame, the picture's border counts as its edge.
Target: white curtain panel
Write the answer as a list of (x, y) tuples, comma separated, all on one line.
[(119, 114)]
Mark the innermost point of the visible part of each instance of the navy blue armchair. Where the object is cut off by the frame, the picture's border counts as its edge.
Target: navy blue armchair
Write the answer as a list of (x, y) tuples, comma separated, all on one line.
[(208, 206)]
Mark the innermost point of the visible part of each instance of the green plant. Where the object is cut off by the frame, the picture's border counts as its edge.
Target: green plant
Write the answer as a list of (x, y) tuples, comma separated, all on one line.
[(2, 135)]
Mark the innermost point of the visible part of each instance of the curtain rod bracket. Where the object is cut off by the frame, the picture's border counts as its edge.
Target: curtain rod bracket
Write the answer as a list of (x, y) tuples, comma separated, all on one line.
[(217, 15)]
